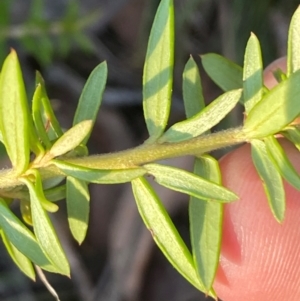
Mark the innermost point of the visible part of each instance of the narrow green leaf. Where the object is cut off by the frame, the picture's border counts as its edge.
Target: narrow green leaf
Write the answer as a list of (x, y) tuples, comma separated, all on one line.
[(293, 55), (226, 74), (14, 113), (186, 182), (293, 134), (78, 206), (52, 182), (206, 224), (91, 96), (22, 238), (204, 120), (100, 176), (163, 231), (23, 263), (277, 109), (71, 138), (45, 232), (37, 118), (52, 125), (56, 193), (280, 159), (192, 89), (21, 100), (158, 70), (252, 74), (271, 179), (205, 217), (47, 205)]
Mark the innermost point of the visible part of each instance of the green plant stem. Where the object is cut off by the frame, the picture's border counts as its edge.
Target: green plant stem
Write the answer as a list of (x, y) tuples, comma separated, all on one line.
[(138, 156), (153, 152)]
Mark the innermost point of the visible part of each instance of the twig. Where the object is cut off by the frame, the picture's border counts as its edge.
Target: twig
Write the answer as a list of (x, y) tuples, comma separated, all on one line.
[(46, 282)]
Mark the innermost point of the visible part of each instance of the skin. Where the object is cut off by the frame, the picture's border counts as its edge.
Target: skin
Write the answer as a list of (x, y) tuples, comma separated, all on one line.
[(259, 257)]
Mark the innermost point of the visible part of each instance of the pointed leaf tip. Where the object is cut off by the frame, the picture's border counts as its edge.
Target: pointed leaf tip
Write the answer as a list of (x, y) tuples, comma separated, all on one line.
[(189, 183), (158, 71), (14, 113), (45, 232), (293, 56), (225, 73), (71, 139), (91, 97), (78, 207), (271, 179), (206, 220), (164, 233), (279, 107)]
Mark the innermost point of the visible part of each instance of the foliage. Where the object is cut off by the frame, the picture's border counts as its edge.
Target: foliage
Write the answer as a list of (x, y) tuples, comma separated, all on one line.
[(42, 155), (42, 37)]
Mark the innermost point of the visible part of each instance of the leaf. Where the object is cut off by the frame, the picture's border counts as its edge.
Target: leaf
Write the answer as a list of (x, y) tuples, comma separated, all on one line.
[(163, 231), (22, 238), (56, 193), (91, 96), (47, 205), (280, 159), (252, 74), (71, 138), (52, 124), (226, 74), (205, 217), (45, 232), (14, 113), (23, 263), (186, 182), (276, 110), (78, 207), (206, 224), (270, 177), (100, 176), (293, 134), (293, 56), (158, 70), (37, 118), (192, 89), (204, 120), (52, 182)]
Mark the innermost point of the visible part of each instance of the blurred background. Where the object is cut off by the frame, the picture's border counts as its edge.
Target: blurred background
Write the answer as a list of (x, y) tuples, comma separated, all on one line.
[(65, 40)]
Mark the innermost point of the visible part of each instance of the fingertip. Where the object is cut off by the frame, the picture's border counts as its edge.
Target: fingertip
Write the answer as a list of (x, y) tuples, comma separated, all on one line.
[(259, 257)]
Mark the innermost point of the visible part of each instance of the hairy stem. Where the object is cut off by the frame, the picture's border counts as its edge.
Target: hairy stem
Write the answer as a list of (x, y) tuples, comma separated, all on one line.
[(140, 155), (153, 152)]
